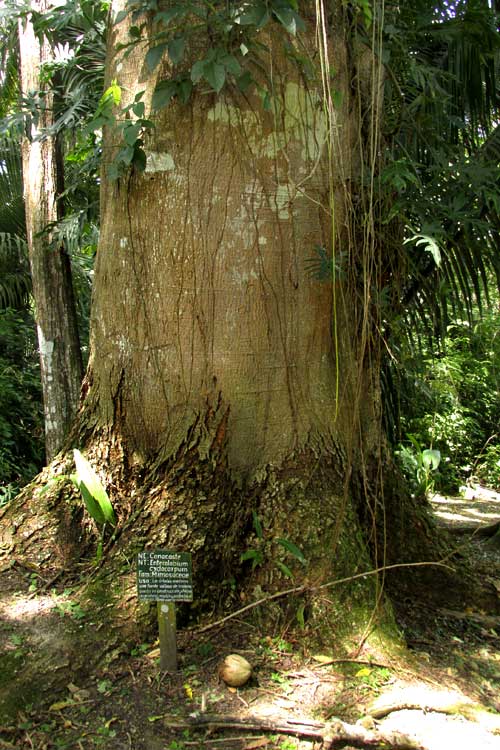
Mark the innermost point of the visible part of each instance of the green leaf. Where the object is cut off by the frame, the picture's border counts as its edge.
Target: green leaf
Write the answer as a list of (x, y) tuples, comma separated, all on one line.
[(255, 15), (266, 100), (284, 569), (293, 549), (431, 459), (163, 93), (197, 71), (430, 246), (185, 90), (166, 16), (139, 109), (231, 64), (257, 525), (92, 490), (255, 555), (91, 504), (131, 133), (120, 16), (215, 75), (244, 81), (154, 56), (134, 32), (287, 18), (113, 94), (176, 49)]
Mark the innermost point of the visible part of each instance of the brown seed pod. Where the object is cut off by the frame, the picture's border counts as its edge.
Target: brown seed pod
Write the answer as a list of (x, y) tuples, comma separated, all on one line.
[(235, 670)]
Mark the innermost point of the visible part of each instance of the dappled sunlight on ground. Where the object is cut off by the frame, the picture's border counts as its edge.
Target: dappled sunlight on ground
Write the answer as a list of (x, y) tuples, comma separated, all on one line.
[(22, 607), (479, 506)]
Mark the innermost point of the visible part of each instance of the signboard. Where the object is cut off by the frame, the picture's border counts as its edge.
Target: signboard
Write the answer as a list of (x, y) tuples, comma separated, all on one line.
[(164, 576)]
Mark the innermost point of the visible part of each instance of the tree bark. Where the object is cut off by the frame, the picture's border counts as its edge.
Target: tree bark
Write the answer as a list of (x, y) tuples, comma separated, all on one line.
[(225, 383), (55, 313), (232, 380)]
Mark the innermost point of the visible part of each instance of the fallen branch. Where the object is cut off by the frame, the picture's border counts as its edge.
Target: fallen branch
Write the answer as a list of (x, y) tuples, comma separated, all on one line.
[(334, 734), (312, 588)]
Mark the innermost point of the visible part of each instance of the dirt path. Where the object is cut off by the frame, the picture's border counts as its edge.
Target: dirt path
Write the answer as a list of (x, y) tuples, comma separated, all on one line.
[(441, 693)]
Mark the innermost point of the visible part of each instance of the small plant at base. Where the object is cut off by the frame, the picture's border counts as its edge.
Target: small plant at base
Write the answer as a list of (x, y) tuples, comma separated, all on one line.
[(70, 608), (419, 464), (259, 553), (94, 496), (373, 677)]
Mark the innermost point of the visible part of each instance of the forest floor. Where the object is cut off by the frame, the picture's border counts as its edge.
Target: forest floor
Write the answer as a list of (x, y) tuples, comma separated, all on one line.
[(440, 691)]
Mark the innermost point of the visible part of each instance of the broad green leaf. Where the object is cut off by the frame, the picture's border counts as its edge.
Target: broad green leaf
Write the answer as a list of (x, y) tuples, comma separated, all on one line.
[(293, 549), (432, 247), (163, 93), (131, 133), (197, 71), (257, 525), (166, 16), (134, 32), (120, 16), (125, 155), (112, 94), (337, 97), (231, 64), (93, 507), (88, 479), (154, 56), (185, 90), (431, 458), (60, 705), (255, 15), (176, 49), (286, 17), (139, 109), (244, 81), (215, 75)]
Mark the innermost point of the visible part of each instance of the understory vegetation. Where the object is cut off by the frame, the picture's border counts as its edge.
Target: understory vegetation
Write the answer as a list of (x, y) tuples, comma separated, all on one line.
[(448, 395)]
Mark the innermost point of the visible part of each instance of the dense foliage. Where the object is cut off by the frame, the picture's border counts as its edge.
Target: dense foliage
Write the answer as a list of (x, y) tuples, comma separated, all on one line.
[(21, 417), (450, 402)]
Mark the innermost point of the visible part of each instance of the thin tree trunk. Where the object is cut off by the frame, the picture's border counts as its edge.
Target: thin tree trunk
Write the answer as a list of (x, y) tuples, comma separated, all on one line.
[(58, 340)]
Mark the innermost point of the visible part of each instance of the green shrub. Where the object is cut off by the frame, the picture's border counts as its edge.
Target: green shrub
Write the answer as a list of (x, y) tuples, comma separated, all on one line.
[(21, 414), (450, 402)]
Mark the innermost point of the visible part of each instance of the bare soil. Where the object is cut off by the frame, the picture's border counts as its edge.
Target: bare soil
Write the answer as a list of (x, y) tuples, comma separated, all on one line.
[(440, 691)]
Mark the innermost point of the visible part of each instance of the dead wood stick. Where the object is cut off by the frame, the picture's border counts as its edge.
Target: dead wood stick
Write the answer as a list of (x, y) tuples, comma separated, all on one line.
[(353, 661), (334, 734), (313, 588)]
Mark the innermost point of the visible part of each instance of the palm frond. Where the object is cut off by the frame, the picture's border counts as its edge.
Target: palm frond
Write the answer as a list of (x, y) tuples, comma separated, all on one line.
[(15, 277)]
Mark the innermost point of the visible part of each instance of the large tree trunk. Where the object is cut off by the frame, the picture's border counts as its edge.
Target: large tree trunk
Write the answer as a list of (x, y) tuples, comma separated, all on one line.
[(55, 313), (216, 358), (226, 383)]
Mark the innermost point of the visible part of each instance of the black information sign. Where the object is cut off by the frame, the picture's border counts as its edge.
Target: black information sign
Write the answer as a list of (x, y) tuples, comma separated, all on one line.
[(164, 576)]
